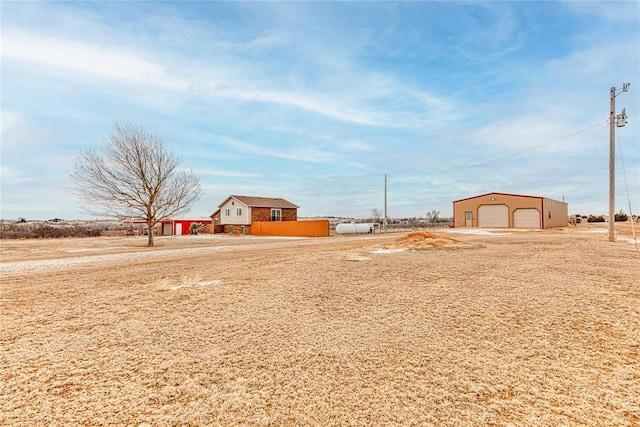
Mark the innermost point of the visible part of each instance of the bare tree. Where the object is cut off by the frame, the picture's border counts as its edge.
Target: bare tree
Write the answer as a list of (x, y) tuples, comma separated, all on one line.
[(133, 174), (433, 217), (376, 215)]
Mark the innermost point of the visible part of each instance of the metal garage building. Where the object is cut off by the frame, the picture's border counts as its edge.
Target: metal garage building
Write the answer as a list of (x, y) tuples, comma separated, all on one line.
[(500, 210), (180, 226)]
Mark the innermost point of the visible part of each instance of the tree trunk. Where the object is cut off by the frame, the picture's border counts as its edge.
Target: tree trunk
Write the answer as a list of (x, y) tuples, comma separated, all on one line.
[(150, 225)]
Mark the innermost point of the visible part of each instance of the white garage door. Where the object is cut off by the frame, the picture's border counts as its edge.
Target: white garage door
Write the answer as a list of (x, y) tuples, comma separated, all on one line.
[(493, 216), (166, 229), (526, 218)]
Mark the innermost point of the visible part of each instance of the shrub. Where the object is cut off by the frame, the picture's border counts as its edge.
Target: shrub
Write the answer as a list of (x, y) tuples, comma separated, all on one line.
[(594, 218), (621, 216)]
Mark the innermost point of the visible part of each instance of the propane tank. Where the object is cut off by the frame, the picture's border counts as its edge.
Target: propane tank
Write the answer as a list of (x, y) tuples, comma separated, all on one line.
[(354, 228)]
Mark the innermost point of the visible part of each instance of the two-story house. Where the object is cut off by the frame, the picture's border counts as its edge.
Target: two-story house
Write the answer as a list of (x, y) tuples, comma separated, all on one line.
[(236, 213)]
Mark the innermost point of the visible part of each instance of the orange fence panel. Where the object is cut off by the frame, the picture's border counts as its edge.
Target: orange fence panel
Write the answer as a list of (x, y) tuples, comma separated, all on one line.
[(313, 228)]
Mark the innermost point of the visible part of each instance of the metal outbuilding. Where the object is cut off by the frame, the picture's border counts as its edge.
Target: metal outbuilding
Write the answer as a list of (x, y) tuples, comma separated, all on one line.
[(180, 226), (501, 210)]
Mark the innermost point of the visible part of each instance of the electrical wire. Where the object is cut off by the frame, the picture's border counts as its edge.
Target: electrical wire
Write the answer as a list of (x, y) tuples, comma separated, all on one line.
[(626, 184), (527, 149)]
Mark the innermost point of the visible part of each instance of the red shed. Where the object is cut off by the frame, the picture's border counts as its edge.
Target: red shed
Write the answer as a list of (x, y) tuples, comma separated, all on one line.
[(180, 226)]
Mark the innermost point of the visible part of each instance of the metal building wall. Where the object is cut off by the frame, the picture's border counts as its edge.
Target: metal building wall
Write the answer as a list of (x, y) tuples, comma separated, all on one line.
[(555, 213), (512, 201)]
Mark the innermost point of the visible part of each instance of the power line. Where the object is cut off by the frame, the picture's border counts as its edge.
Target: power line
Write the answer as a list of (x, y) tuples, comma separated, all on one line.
[(527, 149), (626, 184)]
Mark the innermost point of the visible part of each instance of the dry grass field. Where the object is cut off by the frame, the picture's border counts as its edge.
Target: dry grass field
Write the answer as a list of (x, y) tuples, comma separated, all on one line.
[(503, 328)]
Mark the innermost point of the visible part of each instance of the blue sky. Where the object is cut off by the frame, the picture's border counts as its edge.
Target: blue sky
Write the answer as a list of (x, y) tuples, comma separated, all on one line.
[(316, 101)]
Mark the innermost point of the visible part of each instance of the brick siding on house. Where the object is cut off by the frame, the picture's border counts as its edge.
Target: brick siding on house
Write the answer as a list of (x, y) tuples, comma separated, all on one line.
[(289, 214), (264, 214), (215, 221), (260, 214), (236, 229)]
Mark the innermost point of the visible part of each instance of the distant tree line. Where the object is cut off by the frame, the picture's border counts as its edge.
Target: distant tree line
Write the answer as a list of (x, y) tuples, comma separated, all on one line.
[(432, 218), (46, 230)]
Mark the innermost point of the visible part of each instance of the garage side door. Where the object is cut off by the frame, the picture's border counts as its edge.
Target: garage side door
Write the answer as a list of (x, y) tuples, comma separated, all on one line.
[(493, 216), (526, 218)]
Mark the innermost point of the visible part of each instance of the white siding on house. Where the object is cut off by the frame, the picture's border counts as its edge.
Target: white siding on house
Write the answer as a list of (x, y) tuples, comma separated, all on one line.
[(232, 206)]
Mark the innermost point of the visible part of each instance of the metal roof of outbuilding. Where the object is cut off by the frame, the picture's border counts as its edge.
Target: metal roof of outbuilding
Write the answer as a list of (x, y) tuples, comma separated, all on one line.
[(498, 194)]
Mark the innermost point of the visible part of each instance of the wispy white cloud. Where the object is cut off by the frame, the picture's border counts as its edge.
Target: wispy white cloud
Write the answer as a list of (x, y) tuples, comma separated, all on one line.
[(305, 154), (205, 172), (545, 130), (617, 12), (9, 120), (595, 61), (100, 60), (11, 176), (22, 137), (121, 63), (490, 31)]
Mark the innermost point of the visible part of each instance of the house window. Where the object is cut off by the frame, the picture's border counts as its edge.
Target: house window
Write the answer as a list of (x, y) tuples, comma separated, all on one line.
[(242, 229), (276, 214), (227, 212), (239, 211)]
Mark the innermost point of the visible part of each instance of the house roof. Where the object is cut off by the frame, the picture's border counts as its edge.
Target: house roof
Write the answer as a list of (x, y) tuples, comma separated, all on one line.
[(261, 202)]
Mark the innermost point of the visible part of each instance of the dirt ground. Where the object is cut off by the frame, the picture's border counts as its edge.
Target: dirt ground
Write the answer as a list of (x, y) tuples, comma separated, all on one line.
[(489, 327)]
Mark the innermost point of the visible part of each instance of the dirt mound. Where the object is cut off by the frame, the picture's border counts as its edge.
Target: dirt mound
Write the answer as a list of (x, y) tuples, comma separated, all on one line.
[(422, 240)]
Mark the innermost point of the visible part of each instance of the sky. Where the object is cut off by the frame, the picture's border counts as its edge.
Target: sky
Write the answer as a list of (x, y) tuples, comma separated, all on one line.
[(316, 102)]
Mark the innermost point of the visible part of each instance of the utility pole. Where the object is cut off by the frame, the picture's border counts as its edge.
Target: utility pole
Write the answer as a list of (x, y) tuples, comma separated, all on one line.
[(621, 121), (612, 166), (384, 221)]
